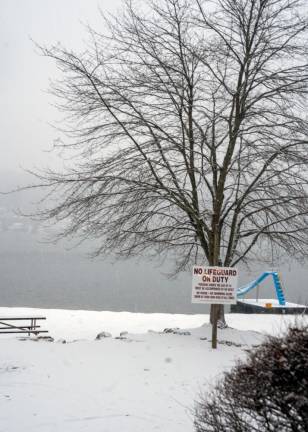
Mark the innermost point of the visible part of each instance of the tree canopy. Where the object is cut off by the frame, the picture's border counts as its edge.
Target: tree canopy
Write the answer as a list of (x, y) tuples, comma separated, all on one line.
[(187, 120)]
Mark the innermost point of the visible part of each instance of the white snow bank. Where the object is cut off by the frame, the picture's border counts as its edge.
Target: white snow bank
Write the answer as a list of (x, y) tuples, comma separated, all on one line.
[(145, 382), (80, 324)]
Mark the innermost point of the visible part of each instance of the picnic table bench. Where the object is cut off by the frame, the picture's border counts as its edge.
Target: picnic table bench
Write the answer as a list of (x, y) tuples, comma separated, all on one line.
[(21, 324)]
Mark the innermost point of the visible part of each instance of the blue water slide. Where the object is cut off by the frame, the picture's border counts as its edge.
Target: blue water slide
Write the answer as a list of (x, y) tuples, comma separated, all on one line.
[(250, 286)]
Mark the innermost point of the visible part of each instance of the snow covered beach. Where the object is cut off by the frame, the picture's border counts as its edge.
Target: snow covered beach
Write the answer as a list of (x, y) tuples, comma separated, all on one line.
[(147, 380)]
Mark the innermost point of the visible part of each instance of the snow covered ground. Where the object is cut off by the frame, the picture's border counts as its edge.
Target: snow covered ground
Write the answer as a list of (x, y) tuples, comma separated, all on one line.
[(145, 381)]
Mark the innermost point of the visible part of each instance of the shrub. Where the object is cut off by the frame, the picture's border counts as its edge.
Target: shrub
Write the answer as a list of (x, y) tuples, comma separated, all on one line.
[(267, 392)]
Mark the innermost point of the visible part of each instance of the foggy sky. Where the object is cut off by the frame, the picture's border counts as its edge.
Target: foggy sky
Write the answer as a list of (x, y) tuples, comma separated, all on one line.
[(25, 105)]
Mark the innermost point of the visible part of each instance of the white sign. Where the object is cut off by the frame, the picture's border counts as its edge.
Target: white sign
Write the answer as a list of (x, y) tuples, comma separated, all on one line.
[(214, 285)]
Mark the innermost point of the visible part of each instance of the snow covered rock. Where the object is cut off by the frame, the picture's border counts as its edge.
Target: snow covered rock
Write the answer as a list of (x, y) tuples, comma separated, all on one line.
[(44, 339), (103, 335), (123, 333), (171, 330), (177, 331)]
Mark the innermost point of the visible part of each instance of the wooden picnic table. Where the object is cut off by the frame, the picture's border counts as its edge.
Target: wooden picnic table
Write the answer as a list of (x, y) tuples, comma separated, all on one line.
[(21, 324)]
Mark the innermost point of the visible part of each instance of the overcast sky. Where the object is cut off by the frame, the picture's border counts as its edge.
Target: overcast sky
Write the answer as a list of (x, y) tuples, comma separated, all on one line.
[(25, 106)]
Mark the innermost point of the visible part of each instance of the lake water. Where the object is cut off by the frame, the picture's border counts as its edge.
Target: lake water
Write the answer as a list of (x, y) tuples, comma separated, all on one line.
[(39, 275)]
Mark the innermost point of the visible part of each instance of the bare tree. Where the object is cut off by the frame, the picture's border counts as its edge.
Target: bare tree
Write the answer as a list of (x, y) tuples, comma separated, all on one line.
[(187, 121)]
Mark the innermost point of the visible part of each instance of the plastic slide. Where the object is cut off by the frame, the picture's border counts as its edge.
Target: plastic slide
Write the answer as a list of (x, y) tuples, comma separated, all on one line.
[(250, 286)]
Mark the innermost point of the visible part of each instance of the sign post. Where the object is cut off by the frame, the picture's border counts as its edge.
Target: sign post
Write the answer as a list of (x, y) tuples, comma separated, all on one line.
[(214, 285), (214, 326)]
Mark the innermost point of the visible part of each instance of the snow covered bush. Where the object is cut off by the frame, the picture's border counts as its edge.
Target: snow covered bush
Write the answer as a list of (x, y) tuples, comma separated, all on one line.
[(267, 392)]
